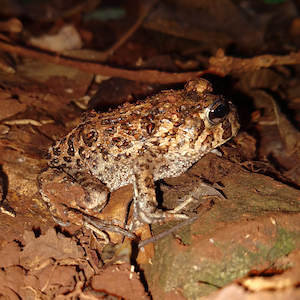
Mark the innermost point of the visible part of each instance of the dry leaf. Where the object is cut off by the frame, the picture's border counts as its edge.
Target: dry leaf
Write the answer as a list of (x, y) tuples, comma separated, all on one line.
[(51, 245)]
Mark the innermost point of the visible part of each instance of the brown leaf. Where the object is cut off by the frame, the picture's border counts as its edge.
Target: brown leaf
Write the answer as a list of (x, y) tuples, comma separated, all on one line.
[(9, 255), (121, 282), (51, 245)]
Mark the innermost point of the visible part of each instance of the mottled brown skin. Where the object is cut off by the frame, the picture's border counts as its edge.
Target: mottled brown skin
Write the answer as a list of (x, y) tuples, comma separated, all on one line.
[(161, 136)]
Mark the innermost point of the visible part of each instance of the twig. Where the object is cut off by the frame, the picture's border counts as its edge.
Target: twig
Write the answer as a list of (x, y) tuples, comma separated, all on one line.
[(224, 65), (96, 68), (146, 7)]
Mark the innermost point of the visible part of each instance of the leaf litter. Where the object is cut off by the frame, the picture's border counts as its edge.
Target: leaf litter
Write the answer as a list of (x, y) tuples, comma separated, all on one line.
[(152, 46)]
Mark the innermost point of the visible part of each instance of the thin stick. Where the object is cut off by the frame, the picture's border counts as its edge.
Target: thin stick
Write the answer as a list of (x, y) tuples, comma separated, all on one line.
[(96, 68), (145, 10)]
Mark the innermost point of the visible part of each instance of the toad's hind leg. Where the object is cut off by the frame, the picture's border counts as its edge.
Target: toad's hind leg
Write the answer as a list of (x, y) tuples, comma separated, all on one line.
[(96, 192), (144, 197)]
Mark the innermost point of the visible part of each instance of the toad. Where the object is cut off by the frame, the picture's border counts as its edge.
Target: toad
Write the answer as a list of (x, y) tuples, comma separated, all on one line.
[(140, 143)]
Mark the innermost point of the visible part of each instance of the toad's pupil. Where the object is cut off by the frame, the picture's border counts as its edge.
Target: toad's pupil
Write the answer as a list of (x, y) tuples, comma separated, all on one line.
[(218, 112), (221, 111)]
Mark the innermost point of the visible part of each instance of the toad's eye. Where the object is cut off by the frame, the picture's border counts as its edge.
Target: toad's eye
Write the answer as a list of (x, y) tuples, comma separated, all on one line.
[(217, 112)]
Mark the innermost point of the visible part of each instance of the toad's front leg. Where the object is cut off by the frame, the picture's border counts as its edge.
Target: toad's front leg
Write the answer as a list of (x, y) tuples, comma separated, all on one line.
[(144, 197)]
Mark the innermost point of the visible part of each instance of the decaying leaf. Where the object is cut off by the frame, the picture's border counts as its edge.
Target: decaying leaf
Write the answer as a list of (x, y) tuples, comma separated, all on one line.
[(48, 246)]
